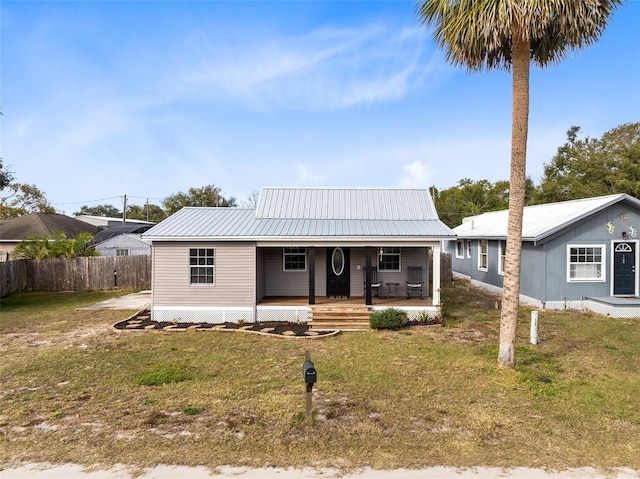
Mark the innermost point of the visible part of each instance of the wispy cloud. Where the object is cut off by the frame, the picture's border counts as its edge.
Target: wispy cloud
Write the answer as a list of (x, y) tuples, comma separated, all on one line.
[(325, 69)]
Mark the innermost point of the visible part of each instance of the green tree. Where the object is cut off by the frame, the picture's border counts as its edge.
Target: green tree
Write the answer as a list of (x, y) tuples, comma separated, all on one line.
[(470, 198), (105, 210), (147, 212), (6, 176), (509, 35), (21, 199), (588, 167), (209, 195), (41, 247)]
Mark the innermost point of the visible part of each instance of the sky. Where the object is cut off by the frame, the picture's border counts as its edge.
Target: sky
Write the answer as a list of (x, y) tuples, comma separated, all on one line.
[(102, 99)]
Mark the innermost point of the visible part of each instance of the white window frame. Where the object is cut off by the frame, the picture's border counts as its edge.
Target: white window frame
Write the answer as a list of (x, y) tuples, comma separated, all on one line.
[(206, 261), (482, 255), (460, 249), (383, 251), (287, 251), (602, 263), (468, 248), (122, 252), (502, 256)]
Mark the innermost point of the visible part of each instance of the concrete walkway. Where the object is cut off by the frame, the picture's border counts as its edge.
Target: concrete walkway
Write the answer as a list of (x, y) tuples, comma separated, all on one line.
[(70, 471), (137, 301)]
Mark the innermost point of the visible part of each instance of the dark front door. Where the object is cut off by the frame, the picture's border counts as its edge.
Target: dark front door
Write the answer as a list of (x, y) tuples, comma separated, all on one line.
[(624, 268), (338, 273)]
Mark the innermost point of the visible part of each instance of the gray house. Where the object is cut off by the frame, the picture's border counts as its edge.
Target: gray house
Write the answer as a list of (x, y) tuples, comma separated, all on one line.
[(575, 254), (299, 248)]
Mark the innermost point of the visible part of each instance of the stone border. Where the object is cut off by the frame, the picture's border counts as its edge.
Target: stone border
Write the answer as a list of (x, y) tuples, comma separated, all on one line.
[(326, 333)]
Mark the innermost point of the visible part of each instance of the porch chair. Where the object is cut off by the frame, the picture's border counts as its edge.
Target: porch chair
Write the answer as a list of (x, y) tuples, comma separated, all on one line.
[(375, 284), (414, 281)]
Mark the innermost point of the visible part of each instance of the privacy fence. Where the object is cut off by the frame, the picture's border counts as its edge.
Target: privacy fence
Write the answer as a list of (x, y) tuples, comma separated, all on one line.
[(75, 274)]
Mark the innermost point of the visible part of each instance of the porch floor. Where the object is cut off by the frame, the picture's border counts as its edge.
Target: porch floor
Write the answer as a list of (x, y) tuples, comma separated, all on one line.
[(399, 302)]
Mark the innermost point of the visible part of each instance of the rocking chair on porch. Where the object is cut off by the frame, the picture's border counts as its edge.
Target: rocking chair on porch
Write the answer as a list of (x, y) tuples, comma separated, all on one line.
[(375, 284), (414, 281)]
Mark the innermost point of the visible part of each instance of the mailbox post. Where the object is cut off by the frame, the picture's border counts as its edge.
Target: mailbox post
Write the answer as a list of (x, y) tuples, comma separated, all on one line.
[(310, 377)]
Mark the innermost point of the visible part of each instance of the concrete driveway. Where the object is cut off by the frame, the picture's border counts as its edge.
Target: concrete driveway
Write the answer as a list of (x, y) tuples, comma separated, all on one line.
[(137, 301)]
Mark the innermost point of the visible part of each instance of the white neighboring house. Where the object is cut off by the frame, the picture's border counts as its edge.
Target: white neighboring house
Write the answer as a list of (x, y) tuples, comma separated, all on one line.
[(124, 245)]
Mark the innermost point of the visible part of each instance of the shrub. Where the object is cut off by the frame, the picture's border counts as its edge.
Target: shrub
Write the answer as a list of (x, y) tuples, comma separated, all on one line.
[(389, 318)]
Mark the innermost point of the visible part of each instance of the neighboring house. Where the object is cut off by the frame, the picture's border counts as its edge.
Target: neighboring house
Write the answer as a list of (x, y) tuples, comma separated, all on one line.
[(223, 264), (122, 241), (124, 245), (15, 230), (575, 254), (109, 221)]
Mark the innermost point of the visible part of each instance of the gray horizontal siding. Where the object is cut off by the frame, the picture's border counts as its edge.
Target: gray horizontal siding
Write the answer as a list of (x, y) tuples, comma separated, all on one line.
[(234, 275)]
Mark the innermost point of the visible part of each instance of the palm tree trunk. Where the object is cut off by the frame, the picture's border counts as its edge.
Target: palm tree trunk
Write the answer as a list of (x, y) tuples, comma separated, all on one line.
[(517, 181)]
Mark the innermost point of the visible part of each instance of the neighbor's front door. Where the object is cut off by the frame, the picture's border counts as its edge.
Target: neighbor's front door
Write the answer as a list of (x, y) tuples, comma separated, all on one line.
[(338, 275), (624, 268)]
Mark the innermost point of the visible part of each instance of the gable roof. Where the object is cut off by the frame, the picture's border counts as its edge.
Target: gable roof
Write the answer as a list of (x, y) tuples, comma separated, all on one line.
[(43, 224), (346, 204), (539, 221), (313, 214)]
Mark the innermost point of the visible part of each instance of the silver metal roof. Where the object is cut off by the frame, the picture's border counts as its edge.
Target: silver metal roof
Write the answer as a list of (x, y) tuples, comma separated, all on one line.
[(346, 204), (291, 222), (539, 221)]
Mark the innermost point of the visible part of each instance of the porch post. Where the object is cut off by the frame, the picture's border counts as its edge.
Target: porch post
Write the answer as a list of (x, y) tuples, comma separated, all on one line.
[(367, 277), (436, 274), (311, 251)]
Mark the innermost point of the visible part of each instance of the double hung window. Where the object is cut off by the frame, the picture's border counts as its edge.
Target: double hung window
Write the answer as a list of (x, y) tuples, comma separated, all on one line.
[(585, 263), (294, 259), (389, 259), (202, 265)]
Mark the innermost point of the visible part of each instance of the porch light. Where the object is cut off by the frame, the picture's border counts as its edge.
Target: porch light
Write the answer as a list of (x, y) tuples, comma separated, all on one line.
[(624, 235)]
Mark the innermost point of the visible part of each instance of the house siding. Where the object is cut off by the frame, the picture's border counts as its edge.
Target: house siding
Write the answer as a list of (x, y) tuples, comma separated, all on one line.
[(544, 266), (296, 283), (235, 265)]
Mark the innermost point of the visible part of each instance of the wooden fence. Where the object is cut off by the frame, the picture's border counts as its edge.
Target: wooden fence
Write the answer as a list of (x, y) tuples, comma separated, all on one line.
[(75, 274)]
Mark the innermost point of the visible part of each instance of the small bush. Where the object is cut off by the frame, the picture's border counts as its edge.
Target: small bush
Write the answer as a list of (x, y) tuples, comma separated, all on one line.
[(389, 318)]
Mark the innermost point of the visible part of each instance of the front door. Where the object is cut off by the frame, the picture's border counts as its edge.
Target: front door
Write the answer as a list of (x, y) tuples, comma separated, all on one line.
[(338, 273), (624, 268)]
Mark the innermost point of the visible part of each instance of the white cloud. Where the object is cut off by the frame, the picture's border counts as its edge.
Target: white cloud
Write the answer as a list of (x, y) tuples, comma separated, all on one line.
[(416, 175)]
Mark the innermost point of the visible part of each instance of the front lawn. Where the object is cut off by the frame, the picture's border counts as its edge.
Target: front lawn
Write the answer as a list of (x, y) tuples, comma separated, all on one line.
[(421, 396)]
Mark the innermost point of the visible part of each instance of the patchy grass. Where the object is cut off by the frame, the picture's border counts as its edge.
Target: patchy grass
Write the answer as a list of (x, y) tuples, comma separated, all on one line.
[(424, 396)]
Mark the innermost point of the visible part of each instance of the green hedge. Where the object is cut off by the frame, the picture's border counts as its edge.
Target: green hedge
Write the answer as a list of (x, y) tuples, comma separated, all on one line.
[(390, 318)]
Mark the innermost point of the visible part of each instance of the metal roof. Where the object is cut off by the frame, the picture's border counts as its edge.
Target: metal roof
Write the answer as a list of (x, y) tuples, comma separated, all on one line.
[(346, 204), (291, 222), (539, 221)]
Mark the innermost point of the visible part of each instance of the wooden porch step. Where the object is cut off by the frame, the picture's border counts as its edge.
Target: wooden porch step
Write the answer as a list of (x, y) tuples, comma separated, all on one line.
[(344, 317)]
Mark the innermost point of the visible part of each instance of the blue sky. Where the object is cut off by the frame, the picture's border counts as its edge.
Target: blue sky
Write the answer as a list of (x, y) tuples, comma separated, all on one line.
[(106, 98)]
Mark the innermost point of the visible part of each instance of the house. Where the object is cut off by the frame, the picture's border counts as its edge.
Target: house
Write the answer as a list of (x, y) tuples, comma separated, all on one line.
[(122, 240), (575, 254), (15, 230), (298, 248), (110, 221)]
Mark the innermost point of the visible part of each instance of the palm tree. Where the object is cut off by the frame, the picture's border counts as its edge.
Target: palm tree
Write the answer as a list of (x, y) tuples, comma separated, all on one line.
[(509, 35)]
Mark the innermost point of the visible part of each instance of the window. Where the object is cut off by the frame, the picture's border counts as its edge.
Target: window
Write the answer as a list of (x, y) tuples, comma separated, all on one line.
[(459, 249), (468, 248), (502, 255), (585, 263), (201, 266), (122, 252), (389, 259), (483, 255), (295, 259)]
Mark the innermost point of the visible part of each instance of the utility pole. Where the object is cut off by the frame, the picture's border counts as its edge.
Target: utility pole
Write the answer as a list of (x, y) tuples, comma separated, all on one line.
[(124, 211)]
